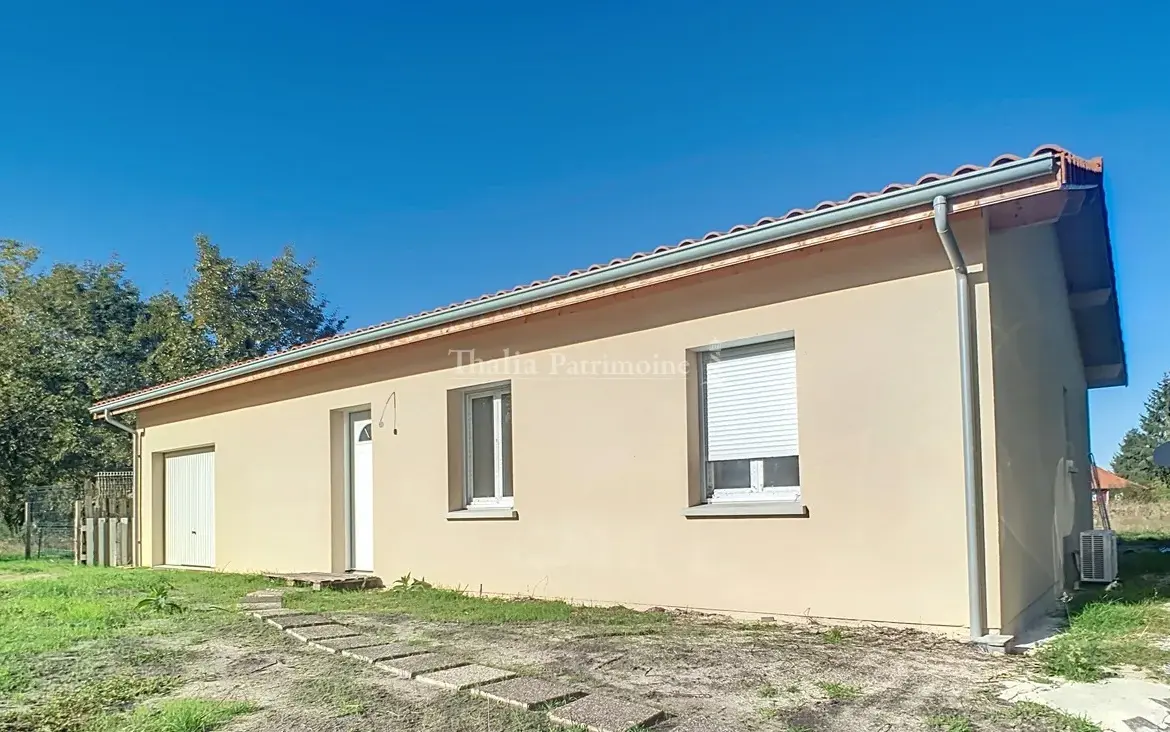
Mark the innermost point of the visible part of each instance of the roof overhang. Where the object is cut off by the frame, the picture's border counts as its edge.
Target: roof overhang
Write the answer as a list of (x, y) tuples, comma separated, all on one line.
[(977, 188), (1087, 254)]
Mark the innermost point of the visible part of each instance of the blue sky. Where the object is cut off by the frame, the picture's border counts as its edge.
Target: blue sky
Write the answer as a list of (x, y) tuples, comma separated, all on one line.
[(427, 152)]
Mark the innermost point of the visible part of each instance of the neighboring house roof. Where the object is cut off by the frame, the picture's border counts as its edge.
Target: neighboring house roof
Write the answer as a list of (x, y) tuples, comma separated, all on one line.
[(1107, 480), (1069, 170)]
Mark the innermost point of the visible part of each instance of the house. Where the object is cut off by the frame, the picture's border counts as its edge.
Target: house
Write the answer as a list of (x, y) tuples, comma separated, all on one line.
[(872, 410), (1106, 482)]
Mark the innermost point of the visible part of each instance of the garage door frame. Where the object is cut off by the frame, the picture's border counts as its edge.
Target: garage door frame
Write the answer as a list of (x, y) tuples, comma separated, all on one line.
[(189, 507)]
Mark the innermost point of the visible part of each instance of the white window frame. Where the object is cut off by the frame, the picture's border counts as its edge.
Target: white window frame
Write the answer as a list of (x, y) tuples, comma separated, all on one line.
[(499, 500), (757, 490)]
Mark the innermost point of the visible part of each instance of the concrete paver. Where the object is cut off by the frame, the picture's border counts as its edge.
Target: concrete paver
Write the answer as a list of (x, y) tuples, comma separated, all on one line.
[(1118, 705), (605, 714), (411, 666), (284, 622), (263, 596), (250, 606), (527, 692), (320, 632), (464, 677), (334, 645), (384, 652), (273, 612)]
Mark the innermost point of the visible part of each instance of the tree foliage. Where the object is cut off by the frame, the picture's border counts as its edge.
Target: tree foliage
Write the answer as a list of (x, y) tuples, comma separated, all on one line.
[(75, 333), (1134, 459)]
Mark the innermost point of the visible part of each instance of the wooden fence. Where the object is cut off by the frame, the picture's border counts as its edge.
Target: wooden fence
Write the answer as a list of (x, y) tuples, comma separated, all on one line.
[(103, 531)]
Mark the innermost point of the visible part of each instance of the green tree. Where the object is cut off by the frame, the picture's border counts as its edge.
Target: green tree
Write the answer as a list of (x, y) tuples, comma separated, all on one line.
[(233, 311), (66, 339), (76, 333), (1134, 459)]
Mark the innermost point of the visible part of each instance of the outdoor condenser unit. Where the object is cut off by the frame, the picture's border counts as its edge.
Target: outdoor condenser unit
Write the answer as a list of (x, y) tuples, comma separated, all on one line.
[(1098, 556)]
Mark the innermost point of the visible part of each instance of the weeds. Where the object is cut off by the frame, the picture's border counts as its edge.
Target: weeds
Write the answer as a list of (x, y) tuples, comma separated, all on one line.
[(839, 692), (949, 723), (834, 636), (767, 691), (406, 583), (1052, 720), (177, 715), (1115, 625), (77, 709), (441, 604)]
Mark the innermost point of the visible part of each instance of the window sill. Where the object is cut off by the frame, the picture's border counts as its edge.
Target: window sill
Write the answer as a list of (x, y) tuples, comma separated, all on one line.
[(732, 509), (483, 514)]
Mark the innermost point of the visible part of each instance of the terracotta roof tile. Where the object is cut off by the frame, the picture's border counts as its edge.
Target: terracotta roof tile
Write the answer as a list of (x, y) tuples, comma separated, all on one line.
[(1075, 169)]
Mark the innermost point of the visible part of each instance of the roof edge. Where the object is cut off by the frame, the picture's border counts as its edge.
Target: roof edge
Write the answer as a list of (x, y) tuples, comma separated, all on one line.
[(1001, 174)]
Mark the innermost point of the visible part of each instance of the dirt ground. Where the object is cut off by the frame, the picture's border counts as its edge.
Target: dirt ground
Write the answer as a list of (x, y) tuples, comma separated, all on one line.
[(746, 677)]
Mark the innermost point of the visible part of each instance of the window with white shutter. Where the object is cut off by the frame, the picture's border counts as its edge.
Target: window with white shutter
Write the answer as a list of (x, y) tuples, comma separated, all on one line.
[(750, 437)]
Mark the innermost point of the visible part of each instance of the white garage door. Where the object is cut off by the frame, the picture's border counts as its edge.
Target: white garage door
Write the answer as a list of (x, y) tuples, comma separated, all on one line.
[(190, 509)]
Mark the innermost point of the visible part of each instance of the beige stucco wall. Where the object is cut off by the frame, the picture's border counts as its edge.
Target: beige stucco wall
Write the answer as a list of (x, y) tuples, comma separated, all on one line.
[(604, 466), (1041, 418)]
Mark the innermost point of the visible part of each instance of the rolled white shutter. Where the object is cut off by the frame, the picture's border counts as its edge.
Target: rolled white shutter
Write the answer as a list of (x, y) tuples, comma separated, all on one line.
[(751, 405)]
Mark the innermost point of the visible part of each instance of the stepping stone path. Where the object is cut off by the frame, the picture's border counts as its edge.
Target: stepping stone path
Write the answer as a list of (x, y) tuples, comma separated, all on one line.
[(593, 712), (384, 652), (527, 692), (408, 667), (465, 677), (272, 612), (605, 714), (335, 645), (284, 622), (320, 632)]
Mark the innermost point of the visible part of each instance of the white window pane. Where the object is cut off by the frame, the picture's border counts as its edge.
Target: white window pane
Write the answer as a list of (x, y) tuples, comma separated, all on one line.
[(781, 472), (506, 438), (729, 474), (483, 466)]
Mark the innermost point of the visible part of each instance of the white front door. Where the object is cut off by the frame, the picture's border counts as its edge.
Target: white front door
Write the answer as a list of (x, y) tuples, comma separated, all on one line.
[(189, 507), (361, 492)]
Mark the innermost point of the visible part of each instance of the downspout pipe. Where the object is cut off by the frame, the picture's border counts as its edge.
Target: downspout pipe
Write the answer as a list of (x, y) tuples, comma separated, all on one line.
[(968, 369), (133, 479)]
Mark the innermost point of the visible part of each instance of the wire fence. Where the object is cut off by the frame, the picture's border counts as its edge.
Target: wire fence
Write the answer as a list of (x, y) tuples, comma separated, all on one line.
[(50, 513), (56, 515)]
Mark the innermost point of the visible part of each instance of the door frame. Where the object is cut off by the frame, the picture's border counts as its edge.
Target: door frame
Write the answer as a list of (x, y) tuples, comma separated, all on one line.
[(351, 416)]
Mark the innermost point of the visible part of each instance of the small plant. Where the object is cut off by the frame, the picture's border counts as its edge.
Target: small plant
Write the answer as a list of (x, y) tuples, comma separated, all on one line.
[(1076, 659), (839, 692), (949, 723), (767, 691), (768, 713), (406, 583), (834, 636), (159, 600), (182, 715)]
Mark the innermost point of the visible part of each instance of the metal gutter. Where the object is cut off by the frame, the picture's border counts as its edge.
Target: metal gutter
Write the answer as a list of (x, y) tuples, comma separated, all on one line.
[(972, 449), (845, 213), (133, 480)]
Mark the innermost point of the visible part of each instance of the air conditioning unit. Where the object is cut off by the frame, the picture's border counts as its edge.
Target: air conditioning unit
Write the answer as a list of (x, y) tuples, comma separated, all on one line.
[(1098, 556)]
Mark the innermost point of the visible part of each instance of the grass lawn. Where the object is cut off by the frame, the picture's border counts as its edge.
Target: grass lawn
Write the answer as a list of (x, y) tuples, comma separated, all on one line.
[(95, 650), (1109, 628), (68, 660), (422, 601)]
